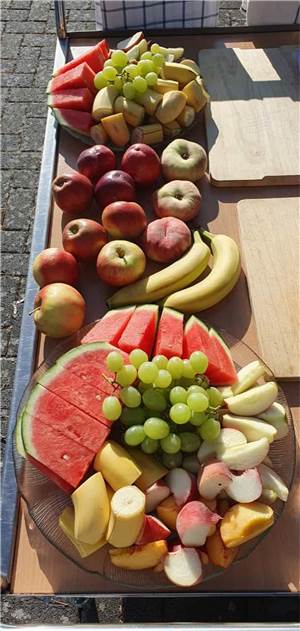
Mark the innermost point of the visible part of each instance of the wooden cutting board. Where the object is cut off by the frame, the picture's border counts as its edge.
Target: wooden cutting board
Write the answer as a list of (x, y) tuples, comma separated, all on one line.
[(269, 231), (252, 121)]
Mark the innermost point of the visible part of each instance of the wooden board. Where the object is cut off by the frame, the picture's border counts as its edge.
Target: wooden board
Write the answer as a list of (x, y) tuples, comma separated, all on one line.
[(269, 231), (252, 121)]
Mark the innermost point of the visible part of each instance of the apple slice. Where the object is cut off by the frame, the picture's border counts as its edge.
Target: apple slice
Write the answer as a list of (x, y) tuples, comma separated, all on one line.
[(251, 427), (212, 479), (182, 485), (275, 415), (268, 496), (130, 42), (273, 482), (248, 376), (152, 530), (194, 523), (227, 438), (253, 401), (246, 487), (244, 457), (183, 567), (156, 493)]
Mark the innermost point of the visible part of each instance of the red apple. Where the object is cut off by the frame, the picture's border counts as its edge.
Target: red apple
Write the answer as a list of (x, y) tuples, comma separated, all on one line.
[(120, 263), (142, 163), (179, 198), (59, 310), (165, 240), (55, 266), (73, 192), (95, 161), (125, 220), (114, 186), (84, 238)]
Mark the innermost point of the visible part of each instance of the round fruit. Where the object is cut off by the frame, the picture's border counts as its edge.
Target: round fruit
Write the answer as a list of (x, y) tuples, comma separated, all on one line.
[(165, 240), (72, 192), (124, 220), (120, 263), (114, 186), (95, 161), (84, 238), (55, 266), (183, 160), (179, 198), (141, 162), (59, 310)]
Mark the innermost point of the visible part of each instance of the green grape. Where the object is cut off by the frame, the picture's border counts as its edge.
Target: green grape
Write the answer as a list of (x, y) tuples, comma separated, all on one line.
[(175, 367), (163, 379), (195, 388), (160, 361), (114, 361), (118, 83), (100, 81), (151, 78), (171, 444), (215, 397), (131, 70), (191, 464), (154, 400), (149, 445), (148, 413), (140, 84), (144, 67), (180, 413), (148, 372), (158, 60), (188, 370), (132, 416), (156, 428), (210, 430), (142, 387), (146, 55), (197, 401), (171, 461), (109, 73), (108, 63), (189, 442), (134, 435), (137, 357), (155, 48), (119, 59), (129, 91), (198, 418), (178, 394), (131, 397), (199, 361), (127, 375), (186, 427), (111, 408)]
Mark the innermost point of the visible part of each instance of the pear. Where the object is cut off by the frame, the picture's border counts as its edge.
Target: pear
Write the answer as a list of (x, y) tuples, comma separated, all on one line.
[(170, 107), (248, 376), (253, 401), (273, 482), (178, 72), (275, 415), (227, 438), (242, 457), (251, 427), (104, 102)]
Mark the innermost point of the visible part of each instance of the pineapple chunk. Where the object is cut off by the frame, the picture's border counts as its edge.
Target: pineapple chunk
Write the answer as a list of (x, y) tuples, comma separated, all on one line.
[(116, 128), (243, 522), (139, 557)]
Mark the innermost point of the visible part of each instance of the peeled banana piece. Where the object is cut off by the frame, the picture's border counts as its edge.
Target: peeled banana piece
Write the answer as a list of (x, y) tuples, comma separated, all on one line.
[(221, 280), (176, 276), (126, 517)]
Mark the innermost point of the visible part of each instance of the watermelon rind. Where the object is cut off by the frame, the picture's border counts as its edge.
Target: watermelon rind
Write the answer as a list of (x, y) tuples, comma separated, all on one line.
[(84, 348), (213, 333), (18, 436), (59, 115)]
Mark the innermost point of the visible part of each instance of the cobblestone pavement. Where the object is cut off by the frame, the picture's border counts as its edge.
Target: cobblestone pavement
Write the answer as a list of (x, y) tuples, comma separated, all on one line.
[(28, 44)]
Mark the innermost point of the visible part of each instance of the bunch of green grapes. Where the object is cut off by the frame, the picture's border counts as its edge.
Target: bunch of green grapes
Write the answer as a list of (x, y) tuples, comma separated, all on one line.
[(128, 78), (162, 405)]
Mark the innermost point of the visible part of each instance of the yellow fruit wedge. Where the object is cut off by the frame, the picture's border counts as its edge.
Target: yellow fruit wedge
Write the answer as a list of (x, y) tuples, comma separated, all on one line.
[(151, 470), (132, 112), (116, 465), (149, 100), (116, 127), (170, 107), (196, 95), (98, 134), (104, 102), (91, 508), (165, 85), (66, 523), (126, 517), (243, 522), (139, 557), (191, 64), (218, 553), (178, 72)]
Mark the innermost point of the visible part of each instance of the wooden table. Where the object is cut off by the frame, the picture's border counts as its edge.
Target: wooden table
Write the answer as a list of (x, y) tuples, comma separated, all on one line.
[(274, 565)]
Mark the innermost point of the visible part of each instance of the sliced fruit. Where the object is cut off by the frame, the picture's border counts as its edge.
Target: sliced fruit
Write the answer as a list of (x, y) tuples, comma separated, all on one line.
[(82, 76), (191, 64), (151, 470), (196, 95), (243, 522), (169, 339), (104, 102), (275, 415), (268, 496), (136, 51), (126, 517), (183, 567), (172, 129), (227, 438), (98, 134), (194, 523), (94, 57), (148, 134), (212, 479), (132, 112), (247, 377), (75, 99), (139, 557), (170, 107), (140, 330), (218, 553), (163, 85), (66, 523), (116, 128), (91, 508), (253, 401), (182, 484), (271, 481), (251, 427), (226, 370), (74, 120), (178, 72), (167, 511), (187, 116), (150, 100), (244, 457), (133, 40), (155, 494), (245, 487), (175, 52), (116, 465), (152, 530), (110, 327)]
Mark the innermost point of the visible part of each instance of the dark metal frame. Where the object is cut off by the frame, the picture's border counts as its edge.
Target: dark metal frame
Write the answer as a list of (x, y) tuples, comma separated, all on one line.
[(27, 342)]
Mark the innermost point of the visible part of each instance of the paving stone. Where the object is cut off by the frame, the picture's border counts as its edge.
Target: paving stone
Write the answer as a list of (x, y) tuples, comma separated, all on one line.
[(4, 95), (25, 27), (14, 15), (39, 610), (22, 4), (17, 80), (43, 73), (13, 240), (11, 142), (7, 372), (48, 52), (19, 209), (27, 53), (26, 179), (32, 136), (9, 292), (81, 26), (37, 110), (5, 334), (39, 11), (14, 263), (7, 392), (109, 610), (38, 40), (12, 161), (10, 46), (8, 65), (14, 118), (26, 94)]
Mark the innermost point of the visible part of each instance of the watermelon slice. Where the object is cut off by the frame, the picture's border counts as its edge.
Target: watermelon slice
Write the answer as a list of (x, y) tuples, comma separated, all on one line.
[(64, 417), (89, 363), (75, 121), (226, 374), (81, 76), (169, 340), (94, 57), (140, 330), (110, 327), (73, 99)]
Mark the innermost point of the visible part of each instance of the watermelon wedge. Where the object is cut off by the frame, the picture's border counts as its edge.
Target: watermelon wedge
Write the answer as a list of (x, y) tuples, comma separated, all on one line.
[(140, 330), (82, 76), (226, 374), (169, 340), (110, 327), (75, 121), (94, 57), (89, 363), (73, 99)]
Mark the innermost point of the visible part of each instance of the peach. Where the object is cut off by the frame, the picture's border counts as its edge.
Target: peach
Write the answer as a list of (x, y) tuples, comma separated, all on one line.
[(125, 220), (139, 557), (212, 479), (243, 522), (194, 523), (165, 240), (218, 553), (167, 511)]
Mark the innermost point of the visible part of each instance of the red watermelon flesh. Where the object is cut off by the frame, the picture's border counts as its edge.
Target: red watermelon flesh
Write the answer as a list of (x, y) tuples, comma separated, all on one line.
[(67, 488), (74, 390), (64, 417), (94, 57), (81, 76), (196, 338), (140, 330), (110, 327), (169, 340), (225, 375), (74, 120), (56, 455), (89, 363), (73, 99)]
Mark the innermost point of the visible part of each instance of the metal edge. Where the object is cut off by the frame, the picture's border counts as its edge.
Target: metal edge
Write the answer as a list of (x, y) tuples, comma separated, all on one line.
[(28, 335), (231, 626), (60, 19), (220, 30)]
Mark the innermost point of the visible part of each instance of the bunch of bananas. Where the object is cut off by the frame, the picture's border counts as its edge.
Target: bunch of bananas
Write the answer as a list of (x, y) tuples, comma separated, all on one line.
[(175, 281)]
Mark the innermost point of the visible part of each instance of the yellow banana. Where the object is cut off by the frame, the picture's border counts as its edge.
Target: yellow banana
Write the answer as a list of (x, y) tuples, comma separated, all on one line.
[(221, 280), (172, 278)]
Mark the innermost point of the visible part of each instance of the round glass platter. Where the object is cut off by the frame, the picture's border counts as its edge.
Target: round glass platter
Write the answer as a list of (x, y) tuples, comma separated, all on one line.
[(45, 501)]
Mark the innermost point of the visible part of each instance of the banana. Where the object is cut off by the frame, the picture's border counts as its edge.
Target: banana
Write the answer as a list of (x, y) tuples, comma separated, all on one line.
[(148, 134), (127, 516), (221, 280), (176, 276)]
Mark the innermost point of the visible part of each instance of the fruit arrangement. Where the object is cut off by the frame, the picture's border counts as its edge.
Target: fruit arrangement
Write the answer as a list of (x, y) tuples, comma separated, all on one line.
[(139, 93), (161, 444)]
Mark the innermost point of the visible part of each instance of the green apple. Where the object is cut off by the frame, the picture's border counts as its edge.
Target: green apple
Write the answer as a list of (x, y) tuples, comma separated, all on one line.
[(183, 160), (120, 263)]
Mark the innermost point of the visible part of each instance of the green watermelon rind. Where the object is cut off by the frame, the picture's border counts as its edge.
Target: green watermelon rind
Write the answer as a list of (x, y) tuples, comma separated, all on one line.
[(27, 420), (80, 135), (18, 435), (213, 333), (81, 350), (173, 313)]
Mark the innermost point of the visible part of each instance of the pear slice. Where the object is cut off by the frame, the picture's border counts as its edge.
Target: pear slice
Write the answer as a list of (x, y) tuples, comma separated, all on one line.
[(252, 428), (248, 376), (273, 482), (253, 401), (244, 457)]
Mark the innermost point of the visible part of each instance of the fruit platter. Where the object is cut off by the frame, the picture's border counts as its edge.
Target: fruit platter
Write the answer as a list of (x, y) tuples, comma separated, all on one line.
[(139, 92)]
